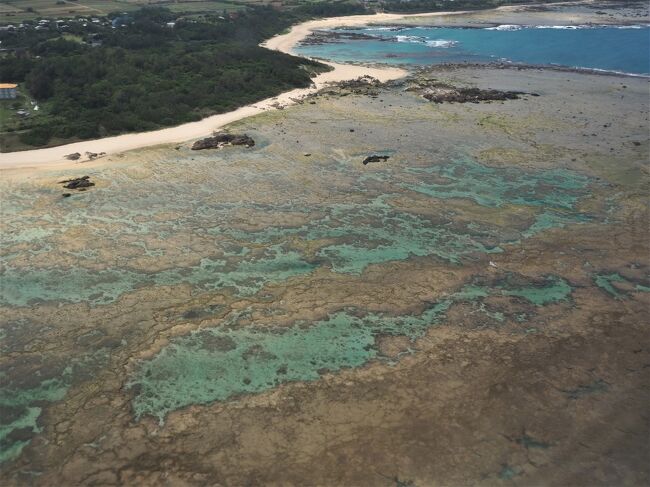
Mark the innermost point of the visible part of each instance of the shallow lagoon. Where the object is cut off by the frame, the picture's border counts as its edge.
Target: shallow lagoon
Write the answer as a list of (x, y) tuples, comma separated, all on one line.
[(216, 364)]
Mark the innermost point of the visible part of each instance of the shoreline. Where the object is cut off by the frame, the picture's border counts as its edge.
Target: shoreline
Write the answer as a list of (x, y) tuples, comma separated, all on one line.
[(286, 42), (193, 130), (55, 156), (547, 67)]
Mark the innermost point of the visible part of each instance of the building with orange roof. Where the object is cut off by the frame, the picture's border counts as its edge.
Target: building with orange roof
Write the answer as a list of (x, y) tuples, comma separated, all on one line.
[(8, 91)]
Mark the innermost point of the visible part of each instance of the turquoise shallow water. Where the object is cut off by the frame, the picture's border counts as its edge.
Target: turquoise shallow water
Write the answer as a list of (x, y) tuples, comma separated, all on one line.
[(605, 48), (218, 363), (361, 234), (83, 250)]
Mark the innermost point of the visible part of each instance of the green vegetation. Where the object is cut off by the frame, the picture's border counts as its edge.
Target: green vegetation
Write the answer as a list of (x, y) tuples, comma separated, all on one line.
[(145, 75), (17, 11)]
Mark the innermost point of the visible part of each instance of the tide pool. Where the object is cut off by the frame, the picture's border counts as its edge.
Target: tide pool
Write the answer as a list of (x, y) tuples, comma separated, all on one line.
[(216, 364), (624, 49)]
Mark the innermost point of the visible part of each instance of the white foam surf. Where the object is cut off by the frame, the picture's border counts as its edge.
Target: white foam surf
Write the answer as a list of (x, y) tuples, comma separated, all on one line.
[(441, 43), (507, 27), (411, 39)]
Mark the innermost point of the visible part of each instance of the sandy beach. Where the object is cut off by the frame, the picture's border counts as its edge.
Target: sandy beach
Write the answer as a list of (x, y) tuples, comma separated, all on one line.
[(286, 42)]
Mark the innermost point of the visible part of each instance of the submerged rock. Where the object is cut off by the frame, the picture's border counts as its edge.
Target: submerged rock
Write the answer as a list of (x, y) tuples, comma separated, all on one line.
[(223, 139), (374, 158)]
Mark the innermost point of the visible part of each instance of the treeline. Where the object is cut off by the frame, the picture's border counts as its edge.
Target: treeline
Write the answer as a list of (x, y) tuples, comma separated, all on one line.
[(148, 75), (114, 90)]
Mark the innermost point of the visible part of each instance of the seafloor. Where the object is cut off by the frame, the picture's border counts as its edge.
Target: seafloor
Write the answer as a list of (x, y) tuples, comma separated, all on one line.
[(474, 310)]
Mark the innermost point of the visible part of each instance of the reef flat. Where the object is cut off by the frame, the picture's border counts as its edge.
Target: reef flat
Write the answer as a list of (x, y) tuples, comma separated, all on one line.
[(472, 308)]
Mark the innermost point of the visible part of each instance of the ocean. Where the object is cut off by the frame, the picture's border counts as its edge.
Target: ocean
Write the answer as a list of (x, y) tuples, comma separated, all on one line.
[(621, 49)]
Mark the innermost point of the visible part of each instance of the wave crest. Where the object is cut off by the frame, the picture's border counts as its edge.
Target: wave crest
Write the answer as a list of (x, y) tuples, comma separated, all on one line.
[(441, 43), (411, 39), (506, 27), (566, 27), (444, 43)]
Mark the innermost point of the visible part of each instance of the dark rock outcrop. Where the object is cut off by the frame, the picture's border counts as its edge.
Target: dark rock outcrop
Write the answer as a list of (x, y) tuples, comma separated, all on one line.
[(440, 92), (94, 155), (469, 95), (77, 183), (374, 158), (223, 139), (73, 157)]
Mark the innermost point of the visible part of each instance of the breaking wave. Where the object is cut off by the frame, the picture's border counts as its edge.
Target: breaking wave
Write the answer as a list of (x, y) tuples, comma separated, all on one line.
[(441, 43), (411, 39), (506, 27), (423, 40), (566, 27)]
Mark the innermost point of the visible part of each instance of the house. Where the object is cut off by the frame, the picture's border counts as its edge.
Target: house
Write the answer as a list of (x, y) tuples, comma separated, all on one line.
[(7, 91)]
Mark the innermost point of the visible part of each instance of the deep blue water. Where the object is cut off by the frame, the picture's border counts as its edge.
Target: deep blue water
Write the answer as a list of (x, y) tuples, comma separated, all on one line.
[(609, 48)]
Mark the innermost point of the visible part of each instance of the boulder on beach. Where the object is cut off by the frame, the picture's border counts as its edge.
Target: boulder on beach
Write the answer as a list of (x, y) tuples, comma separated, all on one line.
[(94, 155)]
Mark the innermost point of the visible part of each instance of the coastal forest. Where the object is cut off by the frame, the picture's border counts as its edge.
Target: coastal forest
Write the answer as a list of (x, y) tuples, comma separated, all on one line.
[(145, 76), (152, 67)]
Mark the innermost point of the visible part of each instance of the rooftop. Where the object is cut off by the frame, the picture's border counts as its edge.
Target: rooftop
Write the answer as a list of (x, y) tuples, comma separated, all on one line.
[(8, 85)]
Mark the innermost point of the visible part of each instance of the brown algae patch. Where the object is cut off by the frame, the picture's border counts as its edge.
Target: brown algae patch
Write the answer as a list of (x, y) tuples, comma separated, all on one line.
[(217, 364)]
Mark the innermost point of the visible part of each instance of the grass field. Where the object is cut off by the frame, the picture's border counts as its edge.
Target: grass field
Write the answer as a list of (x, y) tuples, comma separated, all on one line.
[(16, 11)]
